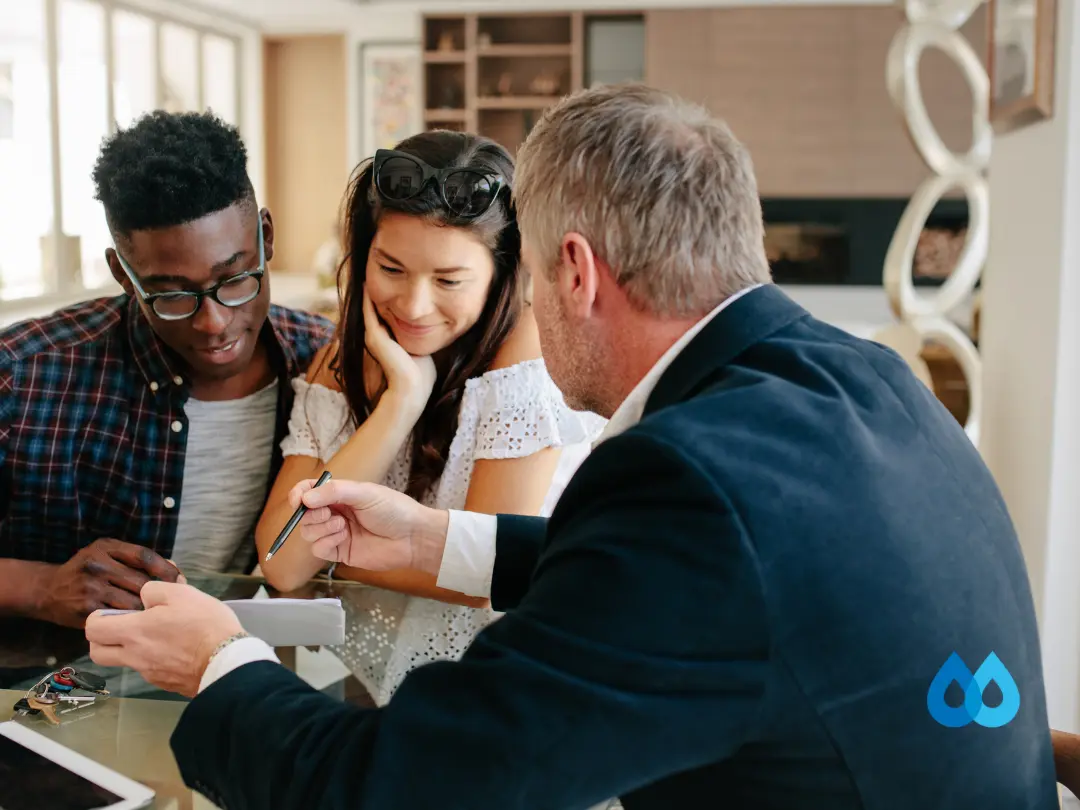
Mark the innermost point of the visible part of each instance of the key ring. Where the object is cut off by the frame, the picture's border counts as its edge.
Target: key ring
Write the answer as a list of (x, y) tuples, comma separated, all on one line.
[(65, 680), (55, 690), (32, 691)]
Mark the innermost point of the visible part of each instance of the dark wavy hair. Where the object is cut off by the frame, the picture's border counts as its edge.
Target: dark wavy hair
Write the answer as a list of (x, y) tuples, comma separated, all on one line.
[(473, 352)]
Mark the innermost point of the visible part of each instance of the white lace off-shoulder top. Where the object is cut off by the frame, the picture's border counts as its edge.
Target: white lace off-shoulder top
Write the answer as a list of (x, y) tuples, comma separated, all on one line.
[(506, 413)]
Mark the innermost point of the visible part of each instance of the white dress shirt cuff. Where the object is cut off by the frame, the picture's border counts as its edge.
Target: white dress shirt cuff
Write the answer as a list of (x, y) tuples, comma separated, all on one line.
[(469, 555), (240, 652)]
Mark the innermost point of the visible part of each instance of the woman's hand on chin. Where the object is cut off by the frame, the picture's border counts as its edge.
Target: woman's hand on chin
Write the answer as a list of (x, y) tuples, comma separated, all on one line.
[(409, 379)]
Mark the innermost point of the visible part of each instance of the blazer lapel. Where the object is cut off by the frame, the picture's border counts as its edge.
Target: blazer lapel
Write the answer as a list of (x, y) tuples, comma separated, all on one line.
[(736, 328)]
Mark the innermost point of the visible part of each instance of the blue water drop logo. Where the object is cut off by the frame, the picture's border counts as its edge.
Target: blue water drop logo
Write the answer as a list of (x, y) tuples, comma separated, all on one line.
[(954, 669), (973, 685)]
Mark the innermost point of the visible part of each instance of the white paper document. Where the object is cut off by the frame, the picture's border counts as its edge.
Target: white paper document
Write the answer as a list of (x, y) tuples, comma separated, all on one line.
[(287, 622), (292, 622)]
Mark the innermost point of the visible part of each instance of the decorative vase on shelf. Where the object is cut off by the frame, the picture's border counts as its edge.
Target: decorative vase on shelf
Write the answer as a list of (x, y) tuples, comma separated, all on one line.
[(450, 99), (545, 84)]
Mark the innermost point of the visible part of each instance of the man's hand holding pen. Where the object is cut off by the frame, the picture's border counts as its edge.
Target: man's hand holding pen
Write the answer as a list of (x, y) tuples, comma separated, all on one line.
[(370, 526)]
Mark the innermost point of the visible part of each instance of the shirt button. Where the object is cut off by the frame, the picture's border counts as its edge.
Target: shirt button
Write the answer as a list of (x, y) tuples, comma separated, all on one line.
[(169, 503), (177, 426), (178, 380), (153, 386)]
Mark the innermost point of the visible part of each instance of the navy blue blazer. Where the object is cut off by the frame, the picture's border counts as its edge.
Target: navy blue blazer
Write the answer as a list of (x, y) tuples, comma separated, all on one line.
[(740, 602)]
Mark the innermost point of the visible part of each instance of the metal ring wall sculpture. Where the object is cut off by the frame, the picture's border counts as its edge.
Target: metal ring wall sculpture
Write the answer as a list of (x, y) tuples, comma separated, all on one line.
[(935, 24)]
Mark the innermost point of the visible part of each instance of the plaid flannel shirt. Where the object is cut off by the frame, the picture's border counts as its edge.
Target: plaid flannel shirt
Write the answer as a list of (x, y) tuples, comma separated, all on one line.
[(93, 430)]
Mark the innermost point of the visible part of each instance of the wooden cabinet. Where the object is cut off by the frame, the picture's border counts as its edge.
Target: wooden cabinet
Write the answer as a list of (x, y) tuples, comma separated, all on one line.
[(804, 88), (495, 73)]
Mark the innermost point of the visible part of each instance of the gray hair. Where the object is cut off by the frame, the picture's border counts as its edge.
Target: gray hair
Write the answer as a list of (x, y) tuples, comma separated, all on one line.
[(662, 191)]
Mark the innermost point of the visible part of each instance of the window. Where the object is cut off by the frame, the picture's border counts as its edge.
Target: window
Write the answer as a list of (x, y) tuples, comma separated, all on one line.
[(219, 77), (105, 65), (180, 68), (84, 123), (7, 103), (26, 203), (134, 45)]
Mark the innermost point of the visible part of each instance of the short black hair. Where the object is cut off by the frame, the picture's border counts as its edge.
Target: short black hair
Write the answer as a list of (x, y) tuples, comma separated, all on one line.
[(170, 169)]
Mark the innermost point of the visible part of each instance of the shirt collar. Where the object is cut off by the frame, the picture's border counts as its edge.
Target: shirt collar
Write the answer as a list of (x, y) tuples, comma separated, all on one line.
[(151, 356), (629, 412), (161, 370)]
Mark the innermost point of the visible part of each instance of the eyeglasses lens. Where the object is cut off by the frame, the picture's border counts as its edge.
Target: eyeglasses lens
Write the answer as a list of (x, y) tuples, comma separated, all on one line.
[(400, 178), (175, 307), (238, 291), (468, 193)]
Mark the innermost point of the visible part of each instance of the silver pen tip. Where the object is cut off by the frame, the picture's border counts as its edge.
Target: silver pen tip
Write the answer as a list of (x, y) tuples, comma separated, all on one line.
[(269, 554)]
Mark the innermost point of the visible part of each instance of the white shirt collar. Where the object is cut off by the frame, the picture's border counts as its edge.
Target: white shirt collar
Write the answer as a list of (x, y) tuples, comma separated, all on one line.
[(629, 412)]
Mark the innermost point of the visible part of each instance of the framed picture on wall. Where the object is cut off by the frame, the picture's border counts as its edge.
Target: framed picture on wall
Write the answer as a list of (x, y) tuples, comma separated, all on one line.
[(1021, 61), (391, 90)]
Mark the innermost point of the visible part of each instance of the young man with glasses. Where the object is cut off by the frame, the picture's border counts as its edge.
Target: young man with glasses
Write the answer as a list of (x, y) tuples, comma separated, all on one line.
[(146, 428)]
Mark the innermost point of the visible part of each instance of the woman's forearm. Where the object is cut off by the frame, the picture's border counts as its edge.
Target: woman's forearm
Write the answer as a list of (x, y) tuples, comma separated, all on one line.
[(366, 456)]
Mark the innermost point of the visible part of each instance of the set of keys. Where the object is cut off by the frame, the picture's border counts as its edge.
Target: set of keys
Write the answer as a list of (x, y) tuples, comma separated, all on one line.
[(54, 695)]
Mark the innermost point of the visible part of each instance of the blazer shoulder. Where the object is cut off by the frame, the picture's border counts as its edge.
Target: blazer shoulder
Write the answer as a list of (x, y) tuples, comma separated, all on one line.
[(666, 441)]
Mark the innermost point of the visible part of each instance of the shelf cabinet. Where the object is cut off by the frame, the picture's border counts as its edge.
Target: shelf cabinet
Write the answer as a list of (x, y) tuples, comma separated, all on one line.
[(494, 74)]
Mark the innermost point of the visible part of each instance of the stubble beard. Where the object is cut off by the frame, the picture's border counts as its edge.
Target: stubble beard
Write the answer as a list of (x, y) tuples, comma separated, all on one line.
[(580, 375)]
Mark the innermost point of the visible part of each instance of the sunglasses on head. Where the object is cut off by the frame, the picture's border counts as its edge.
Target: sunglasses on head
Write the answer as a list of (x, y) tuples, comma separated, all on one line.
[(466, 192)]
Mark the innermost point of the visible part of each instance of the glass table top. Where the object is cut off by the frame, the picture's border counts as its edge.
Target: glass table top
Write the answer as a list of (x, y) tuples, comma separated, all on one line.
[(129, 730)]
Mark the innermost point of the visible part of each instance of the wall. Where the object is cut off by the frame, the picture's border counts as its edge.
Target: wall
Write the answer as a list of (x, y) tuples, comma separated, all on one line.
[(804, 88), (306, 131), (1031, 350)]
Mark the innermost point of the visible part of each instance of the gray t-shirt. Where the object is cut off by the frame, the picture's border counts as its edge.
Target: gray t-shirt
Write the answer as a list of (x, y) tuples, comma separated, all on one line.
[(226, 472)]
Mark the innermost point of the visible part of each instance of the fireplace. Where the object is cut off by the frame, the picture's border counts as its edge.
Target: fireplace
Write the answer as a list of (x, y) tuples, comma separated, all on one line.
[(844, 241)]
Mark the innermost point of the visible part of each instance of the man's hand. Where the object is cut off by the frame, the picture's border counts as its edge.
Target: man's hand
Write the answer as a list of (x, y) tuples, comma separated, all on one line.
[(169, 643), (107, 573), (370, 526)]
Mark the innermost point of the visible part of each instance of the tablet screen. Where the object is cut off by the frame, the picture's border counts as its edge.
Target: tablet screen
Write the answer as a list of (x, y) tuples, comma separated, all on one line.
[(29, 781)]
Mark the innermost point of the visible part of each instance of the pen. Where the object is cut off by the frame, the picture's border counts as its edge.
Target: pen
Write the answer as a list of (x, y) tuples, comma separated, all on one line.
[(299, 513)]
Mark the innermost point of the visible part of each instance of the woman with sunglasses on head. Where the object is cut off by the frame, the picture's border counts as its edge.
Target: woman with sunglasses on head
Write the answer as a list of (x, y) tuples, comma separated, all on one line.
[(433, 386)]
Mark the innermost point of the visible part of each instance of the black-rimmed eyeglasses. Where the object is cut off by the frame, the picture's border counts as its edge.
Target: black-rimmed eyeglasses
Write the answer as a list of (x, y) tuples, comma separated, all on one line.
[(234, 291)]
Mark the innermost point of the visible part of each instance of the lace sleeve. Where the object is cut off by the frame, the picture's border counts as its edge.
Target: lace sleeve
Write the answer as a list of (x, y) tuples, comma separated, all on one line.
[(319, 424), (518, 411)]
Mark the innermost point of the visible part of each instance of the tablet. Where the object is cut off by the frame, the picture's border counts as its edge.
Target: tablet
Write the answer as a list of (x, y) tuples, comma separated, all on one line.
[(36, 772)]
